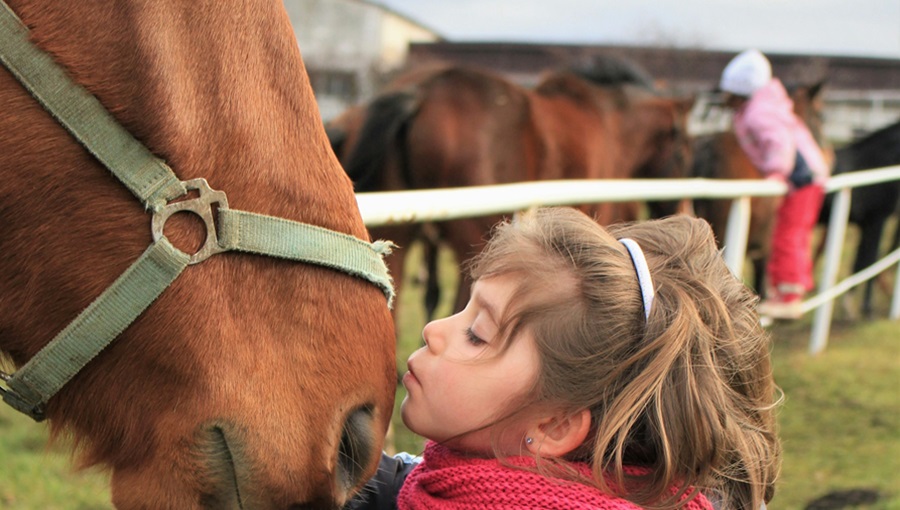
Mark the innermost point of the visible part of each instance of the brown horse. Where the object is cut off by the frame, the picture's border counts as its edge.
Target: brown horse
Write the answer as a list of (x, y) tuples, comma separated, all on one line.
[(456, 126), (251, 382), (720, 156)]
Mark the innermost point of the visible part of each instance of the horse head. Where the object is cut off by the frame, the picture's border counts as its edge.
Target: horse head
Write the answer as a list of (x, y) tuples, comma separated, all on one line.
[(675, 147), (809, 106), (662, 146), (251, 381)]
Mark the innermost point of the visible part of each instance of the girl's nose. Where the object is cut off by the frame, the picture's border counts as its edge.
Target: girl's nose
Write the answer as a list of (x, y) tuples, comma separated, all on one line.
[(433, 335)]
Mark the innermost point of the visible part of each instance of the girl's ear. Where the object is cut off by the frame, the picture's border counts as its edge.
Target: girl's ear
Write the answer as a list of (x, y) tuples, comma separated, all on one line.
[(557, 437)]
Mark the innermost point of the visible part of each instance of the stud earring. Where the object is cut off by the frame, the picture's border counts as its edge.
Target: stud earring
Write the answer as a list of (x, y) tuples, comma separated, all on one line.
[(528, 440)]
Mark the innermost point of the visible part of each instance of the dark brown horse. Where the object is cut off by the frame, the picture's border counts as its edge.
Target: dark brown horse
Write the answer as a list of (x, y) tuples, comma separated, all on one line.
[(456, 126), (870, 206), (251, 382), (720, 156)]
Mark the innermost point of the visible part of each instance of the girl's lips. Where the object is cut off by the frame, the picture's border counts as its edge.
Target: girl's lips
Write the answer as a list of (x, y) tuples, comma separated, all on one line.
[(410, 377)]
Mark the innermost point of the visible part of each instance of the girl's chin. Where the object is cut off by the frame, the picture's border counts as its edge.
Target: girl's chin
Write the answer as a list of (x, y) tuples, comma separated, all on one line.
[(404, 412), (406, 415)]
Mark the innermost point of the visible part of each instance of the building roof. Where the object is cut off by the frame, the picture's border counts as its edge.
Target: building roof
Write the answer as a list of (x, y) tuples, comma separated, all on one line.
[(687, 69)]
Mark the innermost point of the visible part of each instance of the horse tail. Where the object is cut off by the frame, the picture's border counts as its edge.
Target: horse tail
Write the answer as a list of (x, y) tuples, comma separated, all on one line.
[(380, 138)]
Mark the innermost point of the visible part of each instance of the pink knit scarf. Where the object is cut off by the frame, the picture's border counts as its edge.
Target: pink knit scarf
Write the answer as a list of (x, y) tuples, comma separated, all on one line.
[(446, 480)]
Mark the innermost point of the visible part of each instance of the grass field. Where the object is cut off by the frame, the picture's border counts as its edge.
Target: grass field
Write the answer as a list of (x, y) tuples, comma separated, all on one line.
[(840, 423)]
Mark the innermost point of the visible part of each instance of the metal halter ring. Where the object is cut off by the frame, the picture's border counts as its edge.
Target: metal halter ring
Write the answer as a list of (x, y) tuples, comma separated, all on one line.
[(201, 206)]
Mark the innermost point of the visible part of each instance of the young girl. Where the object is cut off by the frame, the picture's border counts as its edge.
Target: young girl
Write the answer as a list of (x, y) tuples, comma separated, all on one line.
[(780, 146), (592, 368)]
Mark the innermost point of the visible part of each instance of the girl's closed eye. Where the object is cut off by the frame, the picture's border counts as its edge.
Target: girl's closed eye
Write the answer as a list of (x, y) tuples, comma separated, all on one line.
[(473, 338)]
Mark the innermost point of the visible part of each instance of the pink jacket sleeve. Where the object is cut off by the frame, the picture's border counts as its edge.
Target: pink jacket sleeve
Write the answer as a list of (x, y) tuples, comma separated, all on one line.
[(773, 142), (767, 129)]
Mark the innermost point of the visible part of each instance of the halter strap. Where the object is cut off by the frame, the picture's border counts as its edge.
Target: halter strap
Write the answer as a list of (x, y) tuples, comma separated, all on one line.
[(155, 184), (643, 273), (76, 109)]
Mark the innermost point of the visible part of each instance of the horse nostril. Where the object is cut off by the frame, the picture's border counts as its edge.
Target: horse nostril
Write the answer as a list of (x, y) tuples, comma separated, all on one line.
[(356, 450), (218, 455)]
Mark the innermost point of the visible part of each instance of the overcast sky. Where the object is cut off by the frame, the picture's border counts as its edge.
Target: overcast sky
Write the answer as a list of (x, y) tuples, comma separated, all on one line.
[(831, 27)]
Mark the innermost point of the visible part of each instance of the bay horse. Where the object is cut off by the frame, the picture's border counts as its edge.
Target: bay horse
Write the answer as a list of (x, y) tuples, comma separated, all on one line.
[(720, 156), (870, 206), (455, 126), (251, 381)]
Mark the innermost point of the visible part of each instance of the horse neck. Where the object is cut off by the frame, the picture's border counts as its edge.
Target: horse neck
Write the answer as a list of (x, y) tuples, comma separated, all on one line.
[(808, 107), (880, 148), (169, 77), (645, 122)]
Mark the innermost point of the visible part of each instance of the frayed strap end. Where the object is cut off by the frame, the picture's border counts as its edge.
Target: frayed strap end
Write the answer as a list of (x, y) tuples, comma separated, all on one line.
[(383, 247)]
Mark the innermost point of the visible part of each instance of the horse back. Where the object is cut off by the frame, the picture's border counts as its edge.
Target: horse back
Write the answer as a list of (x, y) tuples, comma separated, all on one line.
[(580, 134), (878, 149), (454, 127)]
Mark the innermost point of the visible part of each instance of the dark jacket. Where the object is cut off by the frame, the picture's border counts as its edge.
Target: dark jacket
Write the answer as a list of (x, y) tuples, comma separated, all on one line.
[(380, 492)]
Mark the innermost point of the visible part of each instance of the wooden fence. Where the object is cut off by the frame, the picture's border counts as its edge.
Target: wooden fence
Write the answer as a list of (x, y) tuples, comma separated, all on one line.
[(419, 206)]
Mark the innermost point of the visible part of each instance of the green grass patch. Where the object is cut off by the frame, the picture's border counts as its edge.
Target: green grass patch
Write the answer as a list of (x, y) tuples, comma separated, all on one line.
[(840, 423), (35, 476)]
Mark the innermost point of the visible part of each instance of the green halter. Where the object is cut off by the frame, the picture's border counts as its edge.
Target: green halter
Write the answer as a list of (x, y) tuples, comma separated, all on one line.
[(155, 185)]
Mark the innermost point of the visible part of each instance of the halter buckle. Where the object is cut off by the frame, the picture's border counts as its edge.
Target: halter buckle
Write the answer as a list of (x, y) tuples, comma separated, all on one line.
[(12, 398), (201, 206)]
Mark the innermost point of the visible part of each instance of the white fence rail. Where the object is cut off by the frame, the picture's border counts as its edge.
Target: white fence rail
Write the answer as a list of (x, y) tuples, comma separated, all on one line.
[(419, 206)]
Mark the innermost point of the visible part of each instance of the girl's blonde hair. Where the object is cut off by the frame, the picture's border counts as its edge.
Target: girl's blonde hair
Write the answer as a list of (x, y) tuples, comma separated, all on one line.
[(686, 395)]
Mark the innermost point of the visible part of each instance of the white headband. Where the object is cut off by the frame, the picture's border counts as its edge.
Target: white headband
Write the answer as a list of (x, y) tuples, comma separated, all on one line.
[(643, 273)]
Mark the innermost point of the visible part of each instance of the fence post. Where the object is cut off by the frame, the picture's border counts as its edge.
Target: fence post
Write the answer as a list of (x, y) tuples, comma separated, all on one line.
[(895, 301), (736, 235), (837, 228)]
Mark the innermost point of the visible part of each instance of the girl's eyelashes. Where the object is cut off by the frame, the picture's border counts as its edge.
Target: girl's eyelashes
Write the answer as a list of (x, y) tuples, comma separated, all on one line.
[(473, 338)]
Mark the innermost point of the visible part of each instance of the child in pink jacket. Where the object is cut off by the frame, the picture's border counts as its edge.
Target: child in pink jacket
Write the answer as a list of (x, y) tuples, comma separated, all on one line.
[(780, 145)]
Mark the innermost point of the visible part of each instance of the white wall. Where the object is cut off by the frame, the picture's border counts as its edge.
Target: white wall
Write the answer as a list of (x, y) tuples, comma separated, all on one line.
[(352, 36)]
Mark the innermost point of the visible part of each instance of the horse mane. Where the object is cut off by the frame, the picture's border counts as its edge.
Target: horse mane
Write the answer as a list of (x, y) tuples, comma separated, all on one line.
[(605, 71), (812, 90), (616, 77)]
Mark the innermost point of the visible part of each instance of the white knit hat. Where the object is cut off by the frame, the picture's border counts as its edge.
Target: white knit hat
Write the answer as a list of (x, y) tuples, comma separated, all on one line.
[(746, 73)]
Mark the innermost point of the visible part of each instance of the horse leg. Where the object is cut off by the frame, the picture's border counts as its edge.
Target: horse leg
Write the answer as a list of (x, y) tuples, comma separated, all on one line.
[(466, 238), (866, 255), (686, 207), (431, 244), (759, 276), (820, 248)]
